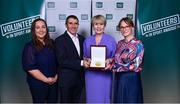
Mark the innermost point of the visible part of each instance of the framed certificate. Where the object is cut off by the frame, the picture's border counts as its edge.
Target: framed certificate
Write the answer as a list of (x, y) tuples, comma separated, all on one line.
[(98, 56)]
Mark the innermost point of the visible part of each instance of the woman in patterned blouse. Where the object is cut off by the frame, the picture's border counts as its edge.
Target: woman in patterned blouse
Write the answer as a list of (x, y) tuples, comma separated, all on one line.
[(128, 65)]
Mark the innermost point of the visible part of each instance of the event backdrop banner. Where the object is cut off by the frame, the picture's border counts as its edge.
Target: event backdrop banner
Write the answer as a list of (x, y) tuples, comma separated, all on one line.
[(16, 17), (113, 10), (158, 23), (58, 10)]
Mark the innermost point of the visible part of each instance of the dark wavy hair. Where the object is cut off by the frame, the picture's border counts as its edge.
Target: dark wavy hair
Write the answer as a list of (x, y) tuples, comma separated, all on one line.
[(39, 45), (127, 20)]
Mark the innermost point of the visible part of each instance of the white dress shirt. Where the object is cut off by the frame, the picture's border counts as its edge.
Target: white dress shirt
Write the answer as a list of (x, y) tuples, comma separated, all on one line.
[(75, 41)]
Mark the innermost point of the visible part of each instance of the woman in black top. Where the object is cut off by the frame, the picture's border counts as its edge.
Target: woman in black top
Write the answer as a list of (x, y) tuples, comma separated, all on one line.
[(39, 62)]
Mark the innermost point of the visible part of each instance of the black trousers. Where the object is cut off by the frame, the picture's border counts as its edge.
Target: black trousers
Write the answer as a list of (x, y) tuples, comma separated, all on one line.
[(44, 93), (70, 94)]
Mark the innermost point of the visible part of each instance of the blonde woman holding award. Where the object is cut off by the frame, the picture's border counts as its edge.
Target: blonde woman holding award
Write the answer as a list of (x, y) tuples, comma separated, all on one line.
[(99, 49)]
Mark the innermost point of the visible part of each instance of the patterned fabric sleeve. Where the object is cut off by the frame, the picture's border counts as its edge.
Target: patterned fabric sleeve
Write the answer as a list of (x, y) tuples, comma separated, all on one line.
[(132, 65), (135, 65)]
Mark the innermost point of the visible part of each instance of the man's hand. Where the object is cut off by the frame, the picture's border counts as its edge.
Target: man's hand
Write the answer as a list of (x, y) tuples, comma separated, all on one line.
[(86, 62)]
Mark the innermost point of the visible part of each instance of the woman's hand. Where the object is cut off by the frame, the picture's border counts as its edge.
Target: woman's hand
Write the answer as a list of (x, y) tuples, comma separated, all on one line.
[(109, 63), (52, 80)]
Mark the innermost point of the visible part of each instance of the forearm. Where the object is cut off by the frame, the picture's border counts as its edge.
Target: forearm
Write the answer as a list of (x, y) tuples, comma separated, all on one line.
[(38, 75), (131, 66)]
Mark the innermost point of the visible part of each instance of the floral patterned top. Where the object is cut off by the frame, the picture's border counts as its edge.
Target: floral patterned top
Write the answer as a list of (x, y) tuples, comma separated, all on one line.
[(129, 56)]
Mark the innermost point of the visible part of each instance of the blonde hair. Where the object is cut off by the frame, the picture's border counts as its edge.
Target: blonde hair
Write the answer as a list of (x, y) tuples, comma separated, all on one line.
[(98, 17)]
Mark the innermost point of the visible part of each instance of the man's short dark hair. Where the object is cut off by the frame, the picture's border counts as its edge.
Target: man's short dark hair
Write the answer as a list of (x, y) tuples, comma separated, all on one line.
[(71, 16)]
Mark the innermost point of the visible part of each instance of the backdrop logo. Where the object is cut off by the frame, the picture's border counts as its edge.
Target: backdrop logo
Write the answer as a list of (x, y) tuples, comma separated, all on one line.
[(18, 27), (160, 26)]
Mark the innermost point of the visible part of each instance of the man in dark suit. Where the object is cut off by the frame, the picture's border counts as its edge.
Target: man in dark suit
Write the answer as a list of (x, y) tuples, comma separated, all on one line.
[(69, 51)]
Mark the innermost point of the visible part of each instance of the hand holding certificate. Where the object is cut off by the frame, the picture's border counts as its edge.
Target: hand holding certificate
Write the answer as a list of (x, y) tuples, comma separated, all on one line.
[(98, 56)]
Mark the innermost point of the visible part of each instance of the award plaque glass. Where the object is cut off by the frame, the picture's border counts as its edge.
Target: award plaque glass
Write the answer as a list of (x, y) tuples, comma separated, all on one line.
[(98, 56)]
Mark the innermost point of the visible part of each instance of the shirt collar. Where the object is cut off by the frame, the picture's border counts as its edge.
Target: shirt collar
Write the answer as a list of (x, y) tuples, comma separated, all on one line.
[(72, 36)]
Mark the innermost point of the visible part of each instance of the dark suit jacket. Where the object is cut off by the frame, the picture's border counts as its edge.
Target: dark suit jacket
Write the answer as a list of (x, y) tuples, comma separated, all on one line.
[(69, 62)]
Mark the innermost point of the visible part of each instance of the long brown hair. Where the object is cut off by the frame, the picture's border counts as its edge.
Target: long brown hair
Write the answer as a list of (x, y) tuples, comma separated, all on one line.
[(39, 45)]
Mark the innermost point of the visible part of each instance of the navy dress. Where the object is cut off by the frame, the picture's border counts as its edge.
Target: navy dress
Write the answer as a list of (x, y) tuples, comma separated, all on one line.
[(128, 88), (45, 61)]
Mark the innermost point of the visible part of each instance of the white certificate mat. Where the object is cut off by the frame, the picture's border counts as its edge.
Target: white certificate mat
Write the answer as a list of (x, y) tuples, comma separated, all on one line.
[(98, 56)]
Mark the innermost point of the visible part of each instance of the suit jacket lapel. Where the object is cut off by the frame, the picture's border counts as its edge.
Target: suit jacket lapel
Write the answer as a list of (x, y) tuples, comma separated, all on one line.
[(71, 44)]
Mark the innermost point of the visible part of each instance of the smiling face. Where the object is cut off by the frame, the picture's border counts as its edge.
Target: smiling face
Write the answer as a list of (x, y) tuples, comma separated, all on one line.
[(98, 27), (98, 23), (40, 30), (72, 25), (126, 29)]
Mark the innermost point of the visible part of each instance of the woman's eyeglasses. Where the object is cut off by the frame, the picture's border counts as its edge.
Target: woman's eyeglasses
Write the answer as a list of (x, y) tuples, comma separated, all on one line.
[(124, 27)]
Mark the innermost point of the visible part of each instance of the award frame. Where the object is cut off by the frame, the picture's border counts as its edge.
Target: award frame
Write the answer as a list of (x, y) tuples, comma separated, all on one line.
[(98, 56)]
